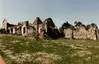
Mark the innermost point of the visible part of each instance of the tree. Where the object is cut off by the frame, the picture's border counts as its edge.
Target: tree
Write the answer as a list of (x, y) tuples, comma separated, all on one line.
[(66, 25), (78, 23), (93, 25), (87, 27)]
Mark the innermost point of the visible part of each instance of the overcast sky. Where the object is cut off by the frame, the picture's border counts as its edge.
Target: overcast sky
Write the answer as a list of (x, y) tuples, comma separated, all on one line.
[(60, 11)]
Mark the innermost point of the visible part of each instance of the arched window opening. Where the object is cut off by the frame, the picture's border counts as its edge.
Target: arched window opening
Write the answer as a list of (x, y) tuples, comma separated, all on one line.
[(24, 30)]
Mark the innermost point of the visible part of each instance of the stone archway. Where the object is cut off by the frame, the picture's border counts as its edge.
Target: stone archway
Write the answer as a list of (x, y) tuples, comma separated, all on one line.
[(8, 31), (11, 30), (24, 31), (20, 29)]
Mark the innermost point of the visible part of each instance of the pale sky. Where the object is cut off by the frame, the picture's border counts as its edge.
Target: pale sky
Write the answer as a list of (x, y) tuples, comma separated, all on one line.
[(60, 11)]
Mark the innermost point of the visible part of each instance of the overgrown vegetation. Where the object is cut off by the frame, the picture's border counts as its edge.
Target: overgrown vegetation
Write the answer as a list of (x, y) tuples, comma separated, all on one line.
[(26, 50)]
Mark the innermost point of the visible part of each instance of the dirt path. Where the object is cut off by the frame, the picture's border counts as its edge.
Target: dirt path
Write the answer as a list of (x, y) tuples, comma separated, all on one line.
[(2, 61)]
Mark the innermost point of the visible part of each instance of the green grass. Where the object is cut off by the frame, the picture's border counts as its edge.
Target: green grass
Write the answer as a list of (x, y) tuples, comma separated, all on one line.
[(25, 50)]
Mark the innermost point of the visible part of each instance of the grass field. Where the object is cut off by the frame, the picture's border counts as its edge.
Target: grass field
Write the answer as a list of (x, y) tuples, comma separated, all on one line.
[(24, 50)]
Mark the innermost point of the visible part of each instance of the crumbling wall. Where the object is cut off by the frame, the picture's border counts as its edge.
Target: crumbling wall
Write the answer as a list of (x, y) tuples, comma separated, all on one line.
[(68, 33), (4, 24), (25, 29), (80, 33), (92, 33), (47, 28), (51, 30)]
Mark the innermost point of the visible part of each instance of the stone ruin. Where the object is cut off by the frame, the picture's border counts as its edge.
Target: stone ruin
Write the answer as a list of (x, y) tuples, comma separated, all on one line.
[(80, 31), (47, 29), (37, 29)]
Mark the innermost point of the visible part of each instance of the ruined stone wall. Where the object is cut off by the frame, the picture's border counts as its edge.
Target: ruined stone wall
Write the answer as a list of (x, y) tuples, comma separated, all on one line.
[(98, 34), (41, 31), (30, 30), (47, 28), (92, 33), (4, 24), (12, 30), (24, 29), (81, 33), (68, 33), (19, 30)]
